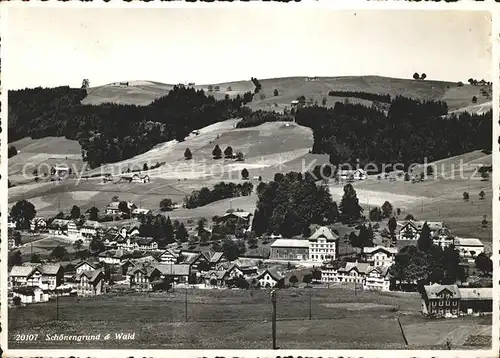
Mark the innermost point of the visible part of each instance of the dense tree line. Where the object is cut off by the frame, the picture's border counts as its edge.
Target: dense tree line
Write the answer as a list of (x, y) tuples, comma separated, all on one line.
[(259, 117), (427, 263), (411, 131), (384, 98), (159, 228), (290, 203), (112, 132), (220, 191)]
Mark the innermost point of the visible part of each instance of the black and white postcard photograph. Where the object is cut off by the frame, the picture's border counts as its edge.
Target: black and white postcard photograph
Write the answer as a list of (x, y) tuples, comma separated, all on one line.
[(248, 178)]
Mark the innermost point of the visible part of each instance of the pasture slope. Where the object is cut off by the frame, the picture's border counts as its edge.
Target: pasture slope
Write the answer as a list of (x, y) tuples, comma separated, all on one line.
[(268, 149), (289, 88)]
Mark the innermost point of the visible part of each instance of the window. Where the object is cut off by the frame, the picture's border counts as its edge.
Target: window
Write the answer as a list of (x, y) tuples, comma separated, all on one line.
[(454, 303), (440, 302), (433, 303)]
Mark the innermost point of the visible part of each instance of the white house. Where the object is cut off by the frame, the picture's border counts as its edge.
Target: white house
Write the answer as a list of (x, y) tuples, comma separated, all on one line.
[(323, 245), (136, 178), (128, 231), (73, 230), (138, 211), (380, 255), (30, 294), (37, 224), (46, 276), (138, 243), (112, 208), (353, 272), (356, 174), (58, 227), (91, 228), (468, 248), (377, 278), (270, 277), (410, 230), (85, 266), (170, 256)]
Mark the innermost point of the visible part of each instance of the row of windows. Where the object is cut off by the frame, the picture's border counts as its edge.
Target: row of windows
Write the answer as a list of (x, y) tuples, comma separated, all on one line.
[(441, 303)]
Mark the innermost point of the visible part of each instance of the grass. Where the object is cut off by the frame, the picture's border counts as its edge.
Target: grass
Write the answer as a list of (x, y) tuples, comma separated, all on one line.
[(238, 319), (289, 88)]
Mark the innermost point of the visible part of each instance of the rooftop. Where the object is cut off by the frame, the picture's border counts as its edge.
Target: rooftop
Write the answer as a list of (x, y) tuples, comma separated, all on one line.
[(483, 293), (325, 232), (297, 243), (434, 290), (461, 241), (372, 250)]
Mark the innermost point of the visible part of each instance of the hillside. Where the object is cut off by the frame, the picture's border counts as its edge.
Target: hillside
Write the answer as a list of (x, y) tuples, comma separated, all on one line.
[(289, 88)]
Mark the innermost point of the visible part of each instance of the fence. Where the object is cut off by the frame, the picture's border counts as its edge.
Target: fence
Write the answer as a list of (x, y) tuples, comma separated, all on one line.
[(209, 305)]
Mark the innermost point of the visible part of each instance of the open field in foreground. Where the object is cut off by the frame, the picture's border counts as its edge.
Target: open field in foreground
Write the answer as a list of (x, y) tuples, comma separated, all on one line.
[(241, 319)]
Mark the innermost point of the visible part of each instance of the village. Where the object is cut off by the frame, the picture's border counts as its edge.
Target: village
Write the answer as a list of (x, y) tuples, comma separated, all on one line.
[(110, 258)]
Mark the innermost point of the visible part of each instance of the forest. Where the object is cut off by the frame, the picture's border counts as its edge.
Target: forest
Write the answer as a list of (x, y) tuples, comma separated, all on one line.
[(112, 132), (259, 117), (410, 131), (384, 98)]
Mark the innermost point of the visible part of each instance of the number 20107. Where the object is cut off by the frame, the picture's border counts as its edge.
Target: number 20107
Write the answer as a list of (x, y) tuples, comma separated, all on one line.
[(26, 337)]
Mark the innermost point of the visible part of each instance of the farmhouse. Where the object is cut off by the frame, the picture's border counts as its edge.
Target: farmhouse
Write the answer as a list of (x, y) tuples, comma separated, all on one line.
[(85, 265), (356, 174), (289, 249), (91, 229), (138, 243), (38, 224), (169, 256), (476, 300), (29, 294), (238, 217), (139, 277), (137, 212), (216, 260), (196, 261), (136, 178), (441, 300), (377, 278), (214, 278), (171, 273), (58, 227), (271, 277), (380, 255), (468, 248), (128, 231), (60, 171), (73, 230), (323, 245), (112, 256), (45, 276), (354, 272), (90, 283), (410, 230), (112, 208)]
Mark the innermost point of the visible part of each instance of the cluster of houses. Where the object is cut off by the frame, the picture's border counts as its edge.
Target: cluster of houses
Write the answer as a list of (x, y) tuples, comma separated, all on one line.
[(408, 232), (138, 271), (321, 249)]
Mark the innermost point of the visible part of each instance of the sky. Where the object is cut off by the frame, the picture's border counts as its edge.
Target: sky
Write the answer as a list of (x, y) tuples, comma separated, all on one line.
[(55, 46)]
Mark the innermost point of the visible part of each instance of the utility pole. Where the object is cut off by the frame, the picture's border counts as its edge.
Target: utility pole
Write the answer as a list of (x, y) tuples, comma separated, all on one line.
[(186, 306), (273, 300), (57, 306), (310, 305)]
